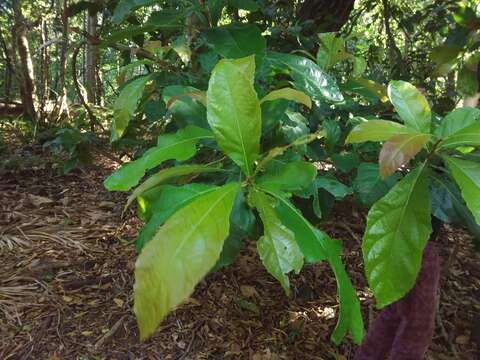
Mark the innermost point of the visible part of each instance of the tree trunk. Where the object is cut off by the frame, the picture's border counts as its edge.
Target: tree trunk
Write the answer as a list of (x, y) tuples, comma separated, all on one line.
[(100, 95), (44, 61), (327, 15), (62, 104), (9, 69), (91, 61), (29, 97), (395, 55)]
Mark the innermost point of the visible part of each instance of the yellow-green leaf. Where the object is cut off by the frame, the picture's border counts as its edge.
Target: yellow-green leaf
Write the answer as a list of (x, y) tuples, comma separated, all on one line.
[(277, 247), (233, 111), (411, 105), (399, 150), (185, 248), (288, 94), (126, 104), (166, 174), (376, 130), (467, 175), (468, 136)]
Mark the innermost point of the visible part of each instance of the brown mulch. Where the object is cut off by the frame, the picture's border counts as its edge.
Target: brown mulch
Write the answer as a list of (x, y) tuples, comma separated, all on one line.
[(66, 265)]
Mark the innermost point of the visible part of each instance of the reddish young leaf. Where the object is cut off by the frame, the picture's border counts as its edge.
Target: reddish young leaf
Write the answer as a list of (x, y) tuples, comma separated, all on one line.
[(399, 150)]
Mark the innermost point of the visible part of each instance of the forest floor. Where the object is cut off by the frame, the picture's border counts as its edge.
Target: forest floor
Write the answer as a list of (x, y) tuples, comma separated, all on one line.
[(66, 277)]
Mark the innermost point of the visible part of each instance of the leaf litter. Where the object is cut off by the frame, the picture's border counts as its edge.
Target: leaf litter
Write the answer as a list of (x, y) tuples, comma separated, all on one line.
[(67, 261)]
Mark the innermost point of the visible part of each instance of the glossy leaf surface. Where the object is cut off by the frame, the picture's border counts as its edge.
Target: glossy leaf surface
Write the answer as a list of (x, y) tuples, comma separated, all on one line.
[(468, 136), (398, 227), (398, 151), (233, 111), (411, 105), (467, 176), (308, 76), (457, 120), (180, 255), (277, 247)]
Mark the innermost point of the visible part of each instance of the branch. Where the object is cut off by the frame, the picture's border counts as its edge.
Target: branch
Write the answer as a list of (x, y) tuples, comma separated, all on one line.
[(91, 115), (94, 40), (48, 43)]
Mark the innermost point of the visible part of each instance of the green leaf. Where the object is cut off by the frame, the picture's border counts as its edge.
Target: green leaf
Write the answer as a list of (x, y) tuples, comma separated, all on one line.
[(445, 58), (277, 248), (468, 136), (311, 244), (126, 7), (215, 8), (333, 133), (165, 199), (457, 120), (316, 246), (181, 47), (398, 151), (242, 224), (167, 174), (449, 206), (294, 127), (164, 20), (369, 89), (375, 130), (331, 50), (308, 76), (411, 105), (180, 255), (179, 146), (398, 227), (126, 104), (369, 186), (467, 83), (467, 176), (154, 110), (333, 186), (272, 114), (288, 94), (291, 176), (359, 66), (233, 111), (158, 204), (186, 110), (345, 161), (350, 317), (237, 40)]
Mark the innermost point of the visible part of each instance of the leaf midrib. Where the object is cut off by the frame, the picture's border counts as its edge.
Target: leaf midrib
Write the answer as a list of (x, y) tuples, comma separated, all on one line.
[(237, 124), (201, 220)]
